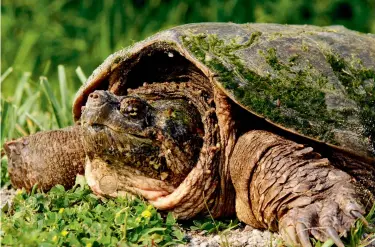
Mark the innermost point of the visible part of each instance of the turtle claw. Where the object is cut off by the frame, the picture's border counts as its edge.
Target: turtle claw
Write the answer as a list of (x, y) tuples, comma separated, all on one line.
[(324, 219), (290, 235), (359, 216), (332, 233), (303, 234)]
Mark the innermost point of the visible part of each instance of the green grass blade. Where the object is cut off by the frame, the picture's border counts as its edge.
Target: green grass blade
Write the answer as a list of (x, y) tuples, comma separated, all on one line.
[(82, 77), (36, 122), (20, 88), (10, 123), (46, 67), (26, 107), (52, 99), (4, 114), (328, 243), (63, 87), (5, 74), (29, 40)]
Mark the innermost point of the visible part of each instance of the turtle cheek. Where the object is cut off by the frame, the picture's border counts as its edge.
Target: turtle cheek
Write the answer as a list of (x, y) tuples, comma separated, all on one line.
[(106, 180), (102, 179)]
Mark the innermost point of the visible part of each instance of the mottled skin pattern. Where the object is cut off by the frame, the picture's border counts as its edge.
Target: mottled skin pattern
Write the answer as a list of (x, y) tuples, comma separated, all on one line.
[(225, 124), (47, 158), (288, 187)]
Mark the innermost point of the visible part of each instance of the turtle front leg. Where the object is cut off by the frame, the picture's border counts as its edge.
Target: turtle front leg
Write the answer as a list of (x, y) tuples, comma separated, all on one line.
[(46, 158), (282, 185)]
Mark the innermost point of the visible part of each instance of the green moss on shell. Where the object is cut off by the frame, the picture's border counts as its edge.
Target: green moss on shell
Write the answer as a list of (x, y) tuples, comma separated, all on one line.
[(359, 83), (294, 98)]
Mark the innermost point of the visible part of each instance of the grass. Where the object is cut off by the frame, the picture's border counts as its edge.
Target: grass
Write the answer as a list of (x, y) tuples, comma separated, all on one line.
[(78, 218)]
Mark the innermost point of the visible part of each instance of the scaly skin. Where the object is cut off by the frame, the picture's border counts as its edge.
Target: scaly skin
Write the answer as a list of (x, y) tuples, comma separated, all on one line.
[(281, 185), (47, 158)]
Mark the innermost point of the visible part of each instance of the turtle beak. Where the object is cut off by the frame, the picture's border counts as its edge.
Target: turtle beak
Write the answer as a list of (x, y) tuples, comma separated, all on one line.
[(99, 106), (101, 97)]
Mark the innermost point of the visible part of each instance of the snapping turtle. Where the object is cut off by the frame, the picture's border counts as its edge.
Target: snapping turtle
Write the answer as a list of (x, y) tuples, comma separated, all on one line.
[(275, 123)]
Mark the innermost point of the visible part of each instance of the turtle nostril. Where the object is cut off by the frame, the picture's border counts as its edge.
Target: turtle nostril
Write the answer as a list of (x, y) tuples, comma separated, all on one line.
[(94, 95)]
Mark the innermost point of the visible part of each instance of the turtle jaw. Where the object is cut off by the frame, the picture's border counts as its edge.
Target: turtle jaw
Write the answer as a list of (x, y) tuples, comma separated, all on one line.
[(104, 180), (119, 164), (108, 182)]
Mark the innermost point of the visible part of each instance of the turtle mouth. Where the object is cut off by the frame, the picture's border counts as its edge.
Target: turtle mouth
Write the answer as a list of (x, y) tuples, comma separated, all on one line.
[(98, 127), (105, 181), (152, 194)]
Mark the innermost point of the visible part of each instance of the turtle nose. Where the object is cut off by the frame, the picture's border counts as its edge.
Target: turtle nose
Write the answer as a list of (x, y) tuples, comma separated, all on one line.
[(97, 98), (94, 95)]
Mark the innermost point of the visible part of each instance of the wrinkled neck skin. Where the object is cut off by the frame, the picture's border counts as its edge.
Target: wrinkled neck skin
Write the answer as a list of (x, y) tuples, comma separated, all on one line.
[(46, 158), (208, 186), (193, 188)]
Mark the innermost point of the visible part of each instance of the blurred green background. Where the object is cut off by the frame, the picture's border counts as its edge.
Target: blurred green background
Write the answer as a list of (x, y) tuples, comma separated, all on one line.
[(37, 35)]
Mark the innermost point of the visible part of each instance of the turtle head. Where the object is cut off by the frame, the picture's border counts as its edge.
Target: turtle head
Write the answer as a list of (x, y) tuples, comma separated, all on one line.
[(145, 147), (127, 114)]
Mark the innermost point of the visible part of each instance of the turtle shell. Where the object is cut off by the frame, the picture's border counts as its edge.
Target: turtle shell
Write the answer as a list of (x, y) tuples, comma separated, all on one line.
[(317, 82)]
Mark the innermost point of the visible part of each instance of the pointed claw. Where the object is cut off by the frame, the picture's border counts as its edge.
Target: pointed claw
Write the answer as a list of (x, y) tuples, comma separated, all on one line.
[(303, 234), (358, 215), (334, 236), (317, 234), (291, 235)]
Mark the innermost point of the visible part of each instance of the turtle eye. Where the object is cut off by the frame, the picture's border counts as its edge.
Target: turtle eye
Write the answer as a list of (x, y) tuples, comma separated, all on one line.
[(134, 108)]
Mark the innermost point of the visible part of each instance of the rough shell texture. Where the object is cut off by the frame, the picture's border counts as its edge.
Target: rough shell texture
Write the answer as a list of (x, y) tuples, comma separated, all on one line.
[(318, 82)]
